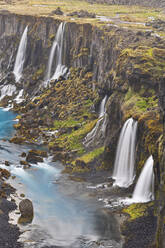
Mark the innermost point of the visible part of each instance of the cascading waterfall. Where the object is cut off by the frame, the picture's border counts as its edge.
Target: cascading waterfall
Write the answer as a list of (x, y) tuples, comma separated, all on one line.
[(57, 51), (50, 61), (7, 90), (144, 190), (125, 157), (100, 126), (20, 58), (102, 107)]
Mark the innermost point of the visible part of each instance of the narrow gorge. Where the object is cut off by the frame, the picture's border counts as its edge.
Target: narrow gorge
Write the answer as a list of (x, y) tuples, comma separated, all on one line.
[(82, 125)]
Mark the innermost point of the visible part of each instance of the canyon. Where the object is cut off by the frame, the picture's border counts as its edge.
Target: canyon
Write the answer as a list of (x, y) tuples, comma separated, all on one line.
[(58, 103)]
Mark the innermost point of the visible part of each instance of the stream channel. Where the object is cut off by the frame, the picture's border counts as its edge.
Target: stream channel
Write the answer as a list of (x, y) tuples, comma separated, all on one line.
[(65, 213)]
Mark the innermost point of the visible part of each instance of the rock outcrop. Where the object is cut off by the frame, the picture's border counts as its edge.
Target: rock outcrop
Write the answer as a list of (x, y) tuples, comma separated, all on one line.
[(26, 208)]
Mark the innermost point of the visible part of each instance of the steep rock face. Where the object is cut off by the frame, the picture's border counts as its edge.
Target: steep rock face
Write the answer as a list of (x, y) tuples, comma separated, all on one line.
[(160, 241), (126, 66)]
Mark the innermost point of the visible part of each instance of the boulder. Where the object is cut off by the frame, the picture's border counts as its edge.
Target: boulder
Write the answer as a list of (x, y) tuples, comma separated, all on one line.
[(7, 163), (26, 208), (5, 173), (25, 164), (17, 140), (57, 11), (83, 14), (23, 155), (34, 159), (39, 153), (35, 156)]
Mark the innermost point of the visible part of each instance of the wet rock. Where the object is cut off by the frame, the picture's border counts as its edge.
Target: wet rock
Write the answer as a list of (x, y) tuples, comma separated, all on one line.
[(22, 195), (17, 140), (33, 159), (7, 163), (23, 220), (26, 208), (39, 153), (35, 156), (5, 173), (23, 155), (25, 164)]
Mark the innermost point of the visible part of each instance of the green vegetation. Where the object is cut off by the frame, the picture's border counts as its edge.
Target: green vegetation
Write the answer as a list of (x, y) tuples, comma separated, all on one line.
[(136, 104), (137, 210), (73, 141), (89, 157), (146, 61)]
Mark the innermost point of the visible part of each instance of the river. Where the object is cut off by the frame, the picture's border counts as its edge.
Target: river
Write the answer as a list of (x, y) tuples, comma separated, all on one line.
[(65, 214)]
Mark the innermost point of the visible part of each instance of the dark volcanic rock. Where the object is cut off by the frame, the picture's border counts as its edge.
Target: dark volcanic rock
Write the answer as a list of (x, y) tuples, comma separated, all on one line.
[(35, 156), (82, 14), (8, 234), (33, 159), (140, 232), (58, 11)]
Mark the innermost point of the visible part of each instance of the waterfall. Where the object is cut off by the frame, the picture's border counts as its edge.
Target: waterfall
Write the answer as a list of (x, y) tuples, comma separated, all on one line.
[(144, 190), (99, 130), (50, 61), (102, 107), (57, 52), (7, 90), (19, 98), (125, 157), (20, 58)]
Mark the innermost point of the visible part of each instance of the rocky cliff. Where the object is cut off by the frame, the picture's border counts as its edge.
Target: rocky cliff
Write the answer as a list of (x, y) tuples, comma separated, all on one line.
[(126, 65)]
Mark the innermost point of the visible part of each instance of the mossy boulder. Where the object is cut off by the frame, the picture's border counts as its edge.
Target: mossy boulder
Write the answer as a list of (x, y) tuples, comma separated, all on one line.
[(5, 173), (34, 158), (17, 140)]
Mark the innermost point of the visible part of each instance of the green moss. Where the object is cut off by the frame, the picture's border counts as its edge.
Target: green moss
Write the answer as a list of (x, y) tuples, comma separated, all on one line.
[(144, 60), (135, 104), (73, 141), (70, 122), (89, 157), (39, 73), (137, 210)]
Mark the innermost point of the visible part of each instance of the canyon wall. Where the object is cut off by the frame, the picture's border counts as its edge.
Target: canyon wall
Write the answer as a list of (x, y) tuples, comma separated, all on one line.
[(126, 65)]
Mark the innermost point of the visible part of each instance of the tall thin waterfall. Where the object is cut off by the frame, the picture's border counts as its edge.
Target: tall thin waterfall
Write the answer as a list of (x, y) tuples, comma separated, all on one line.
[(20, 58), (99, 129), (57, 52), (102, 107), (144, 190), (50, 61), (125, 157)]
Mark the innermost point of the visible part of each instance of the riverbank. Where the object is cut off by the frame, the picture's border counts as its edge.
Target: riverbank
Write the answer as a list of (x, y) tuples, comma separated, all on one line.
[(9, 234), (61, 205)]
